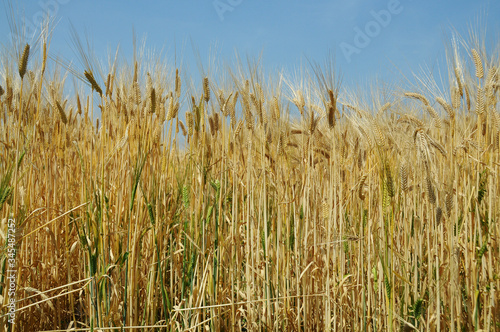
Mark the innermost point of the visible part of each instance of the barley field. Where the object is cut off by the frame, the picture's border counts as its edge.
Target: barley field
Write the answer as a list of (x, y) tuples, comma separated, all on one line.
[(134, 199)]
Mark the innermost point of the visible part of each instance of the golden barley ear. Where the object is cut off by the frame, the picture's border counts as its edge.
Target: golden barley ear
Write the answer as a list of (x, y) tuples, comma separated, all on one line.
[(478, 64), (447, 107), (226, 104), (331, 116), (384, 108), (136, 92), (183, 128), (439, 214), (417, 96), (238, 129), (436, 145), (361, 186), (410, 119), (78, 104), (152, 98), (430, 190), (211, 125), (386, 199), (189, 121), (221, 99), (455, 97), (459, 82), (175, 110), (300, 102), (2, 91), (313, 123), (93, 83), (136, 71), (217, 122), (248, 114), (380, 139), (279, 145), (332, 108), (324, 210), (108, 85), (171, 109), (44, 58), (491, 77), (64, 118), (276, 109), (177, 84), (232, 105), (388, 176), (206, 89), (255, 103), (480, 102), (403, 173), (23, 62)]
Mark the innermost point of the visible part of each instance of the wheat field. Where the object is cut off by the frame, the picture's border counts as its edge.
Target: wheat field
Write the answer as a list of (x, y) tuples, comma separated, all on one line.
[(145, 201)]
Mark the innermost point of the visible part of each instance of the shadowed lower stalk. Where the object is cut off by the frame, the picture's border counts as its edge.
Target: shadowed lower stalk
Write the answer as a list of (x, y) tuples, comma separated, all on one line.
[(141, 159)]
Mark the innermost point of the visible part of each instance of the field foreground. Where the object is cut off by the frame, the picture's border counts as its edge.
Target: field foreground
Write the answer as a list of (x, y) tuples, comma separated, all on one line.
[(140, 200)]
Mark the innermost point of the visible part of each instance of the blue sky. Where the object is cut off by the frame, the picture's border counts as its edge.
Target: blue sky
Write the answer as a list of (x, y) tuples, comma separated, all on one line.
[(399, 36)]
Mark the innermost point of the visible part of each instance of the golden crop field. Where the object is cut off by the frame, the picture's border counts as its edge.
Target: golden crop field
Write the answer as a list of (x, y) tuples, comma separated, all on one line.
[(134, 198)]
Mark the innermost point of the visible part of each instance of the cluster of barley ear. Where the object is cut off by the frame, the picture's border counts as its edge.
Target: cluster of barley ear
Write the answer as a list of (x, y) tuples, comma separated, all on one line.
[(144, 203)]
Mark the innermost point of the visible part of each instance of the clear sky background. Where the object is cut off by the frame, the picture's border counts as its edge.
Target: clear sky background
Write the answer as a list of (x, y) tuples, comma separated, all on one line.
[(287, 33)]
